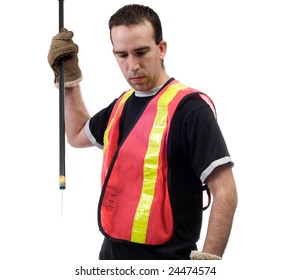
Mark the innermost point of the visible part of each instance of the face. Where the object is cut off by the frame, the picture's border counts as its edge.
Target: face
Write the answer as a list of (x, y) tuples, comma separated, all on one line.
[(138, 56)]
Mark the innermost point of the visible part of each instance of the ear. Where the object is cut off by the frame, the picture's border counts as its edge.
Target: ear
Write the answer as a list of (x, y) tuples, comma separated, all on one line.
[(162, 49)]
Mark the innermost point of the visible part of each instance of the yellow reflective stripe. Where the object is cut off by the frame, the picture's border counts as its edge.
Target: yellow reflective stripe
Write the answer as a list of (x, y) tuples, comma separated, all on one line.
[(141, 219), (106, 135)]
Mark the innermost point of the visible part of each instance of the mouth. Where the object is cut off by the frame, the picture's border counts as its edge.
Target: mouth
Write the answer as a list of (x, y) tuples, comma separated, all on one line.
[(136, 80)]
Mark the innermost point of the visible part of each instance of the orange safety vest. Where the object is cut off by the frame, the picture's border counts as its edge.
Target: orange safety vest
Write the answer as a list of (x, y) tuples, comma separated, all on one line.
[(135, 203)]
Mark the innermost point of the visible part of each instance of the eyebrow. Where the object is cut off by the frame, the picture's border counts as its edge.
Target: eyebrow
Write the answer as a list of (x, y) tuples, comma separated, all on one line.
[(144, 48)]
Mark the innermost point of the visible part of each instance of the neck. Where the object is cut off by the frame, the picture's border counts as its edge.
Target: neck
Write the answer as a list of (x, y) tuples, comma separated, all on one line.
[(147, 93)]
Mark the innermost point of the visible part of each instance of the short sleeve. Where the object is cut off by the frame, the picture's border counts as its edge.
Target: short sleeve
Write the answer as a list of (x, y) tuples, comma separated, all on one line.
[(203, 140)]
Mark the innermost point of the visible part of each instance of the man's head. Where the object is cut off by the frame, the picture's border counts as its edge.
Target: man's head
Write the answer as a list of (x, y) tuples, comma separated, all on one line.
[(136, 35), (135, 14)]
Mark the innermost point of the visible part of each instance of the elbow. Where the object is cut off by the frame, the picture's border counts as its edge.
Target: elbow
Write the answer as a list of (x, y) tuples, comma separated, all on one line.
[(73, 142), (227, 199), (230, 197), (234, 193), (79, 141), (233, 197)]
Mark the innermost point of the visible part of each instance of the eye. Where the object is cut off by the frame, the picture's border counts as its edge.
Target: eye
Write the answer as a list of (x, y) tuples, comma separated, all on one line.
[(141, 53), (122, 55)]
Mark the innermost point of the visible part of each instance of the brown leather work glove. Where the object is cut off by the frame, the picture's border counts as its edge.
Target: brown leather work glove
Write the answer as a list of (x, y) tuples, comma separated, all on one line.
[(63, 47), (196, 255)]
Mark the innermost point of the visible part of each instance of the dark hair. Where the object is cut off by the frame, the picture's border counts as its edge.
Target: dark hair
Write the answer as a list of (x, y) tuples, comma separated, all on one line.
[(137, 14)]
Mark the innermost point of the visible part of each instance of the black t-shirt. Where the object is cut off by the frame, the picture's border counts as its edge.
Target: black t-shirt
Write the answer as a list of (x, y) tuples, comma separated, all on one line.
[(195, 148)]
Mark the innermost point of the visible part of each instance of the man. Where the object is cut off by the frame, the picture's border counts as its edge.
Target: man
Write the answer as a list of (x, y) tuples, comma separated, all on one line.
[(161, 146)]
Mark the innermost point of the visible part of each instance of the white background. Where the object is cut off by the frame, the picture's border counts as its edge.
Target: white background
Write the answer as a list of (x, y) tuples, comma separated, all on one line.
[(237, 52)]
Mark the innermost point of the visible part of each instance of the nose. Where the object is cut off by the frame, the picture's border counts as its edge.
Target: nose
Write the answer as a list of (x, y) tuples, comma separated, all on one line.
[(133, 64)]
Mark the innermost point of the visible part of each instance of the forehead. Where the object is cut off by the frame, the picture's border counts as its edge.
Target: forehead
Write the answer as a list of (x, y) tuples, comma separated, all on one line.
[(132, 36)]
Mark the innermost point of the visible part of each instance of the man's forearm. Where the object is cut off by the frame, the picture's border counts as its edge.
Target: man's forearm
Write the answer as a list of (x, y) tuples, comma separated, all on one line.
[(219, 225), (223, 188)]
